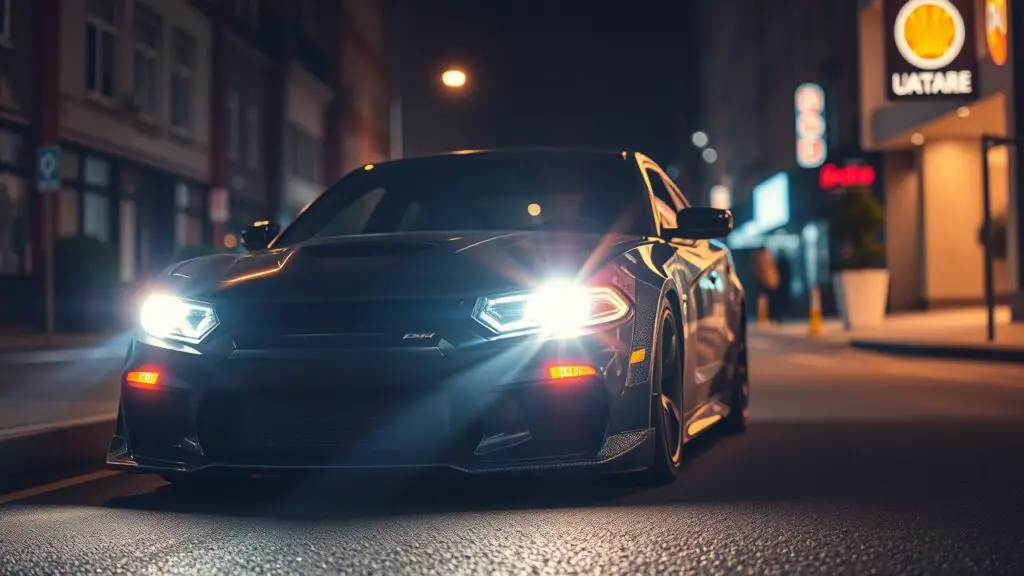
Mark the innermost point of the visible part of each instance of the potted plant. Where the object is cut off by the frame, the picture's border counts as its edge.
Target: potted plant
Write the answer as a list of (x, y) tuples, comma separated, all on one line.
[(861, 280)]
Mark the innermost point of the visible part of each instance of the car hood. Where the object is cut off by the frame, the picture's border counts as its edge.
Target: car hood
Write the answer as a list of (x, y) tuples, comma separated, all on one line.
[(397, 265)]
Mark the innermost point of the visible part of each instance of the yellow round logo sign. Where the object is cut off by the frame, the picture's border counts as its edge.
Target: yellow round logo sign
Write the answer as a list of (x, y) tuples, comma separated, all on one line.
[(995, 30), (929, 33)]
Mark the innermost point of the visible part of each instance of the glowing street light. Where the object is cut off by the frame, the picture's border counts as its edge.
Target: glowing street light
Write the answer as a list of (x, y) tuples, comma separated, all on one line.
[(700, 139), (453, 78), (709, 155)]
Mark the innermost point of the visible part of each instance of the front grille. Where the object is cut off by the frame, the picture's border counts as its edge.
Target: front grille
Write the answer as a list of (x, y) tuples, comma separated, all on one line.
[(327, 426), (348, 317)]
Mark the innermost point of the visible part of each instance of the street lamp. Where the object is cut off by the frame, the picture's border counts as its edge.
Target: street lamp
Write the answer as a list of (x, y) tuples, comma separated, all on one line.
[(700, 139), (451, 79)]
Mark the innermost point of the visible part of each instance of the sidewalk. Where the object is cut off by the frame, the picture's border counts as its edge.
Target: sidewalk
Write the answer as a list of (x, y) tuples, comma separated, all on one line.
[(957, 333), (34, 348)]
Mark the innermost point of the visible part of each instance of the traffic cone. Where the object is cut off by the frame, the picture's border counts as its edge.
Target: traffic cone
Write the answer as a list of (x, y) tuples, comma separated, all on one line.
[(814, 326), (762, 310)]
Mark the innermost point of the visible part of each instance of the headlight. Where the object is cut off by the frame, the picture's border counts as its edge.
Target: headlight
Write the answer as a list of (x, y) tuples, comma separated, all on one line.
[(173, 318), (559, 308)]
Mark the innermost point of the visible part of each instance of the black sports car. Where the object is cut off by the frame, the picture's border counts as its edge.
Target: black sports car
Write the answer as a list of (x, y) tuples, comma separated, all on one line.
[(479, 311)]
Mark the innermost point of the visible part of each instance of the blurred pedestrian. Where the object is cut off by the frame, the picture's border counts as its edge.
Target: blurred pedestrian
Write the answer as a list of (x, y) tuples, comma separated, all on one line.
[(766, 280), (780, 307)]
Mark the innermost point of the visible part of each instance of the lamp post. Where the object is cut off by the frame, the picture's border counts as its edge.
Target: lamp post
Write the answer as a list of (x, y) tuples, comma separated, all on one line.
[(1017, 62), (452, 79)]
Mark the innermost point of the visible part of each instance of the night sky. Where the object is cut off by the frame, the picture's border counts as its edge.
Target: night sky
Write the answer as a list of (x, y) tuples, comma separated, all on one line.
[(548, 73)]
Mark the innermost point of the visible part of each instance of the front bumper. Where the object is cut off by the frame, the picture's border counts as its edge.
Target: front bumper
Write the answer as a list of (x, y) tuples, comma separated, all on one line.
[(483, 409)]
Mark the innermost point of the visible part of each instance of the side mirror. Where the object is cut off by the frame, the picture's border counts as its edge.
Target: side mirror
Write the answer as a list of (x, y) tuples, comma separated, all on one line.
[(260, 235), (700, 223)]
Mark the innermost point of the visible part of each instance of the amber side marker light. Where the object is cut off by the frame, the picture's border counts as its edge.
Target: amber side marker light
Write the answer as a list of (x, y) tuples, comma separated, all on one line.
[(571, 372), (143, 378)]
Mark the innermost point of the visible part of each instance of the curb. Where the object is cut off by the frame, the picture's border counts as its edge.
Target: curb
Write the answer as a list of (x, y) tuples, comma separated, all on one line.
[(1008, 355), (54, 452)]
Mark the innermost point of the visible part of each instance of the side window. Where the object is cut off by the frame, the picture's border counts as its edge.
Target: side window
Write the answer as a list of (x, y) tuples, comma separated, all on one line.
[(662, 201), (354, 218)]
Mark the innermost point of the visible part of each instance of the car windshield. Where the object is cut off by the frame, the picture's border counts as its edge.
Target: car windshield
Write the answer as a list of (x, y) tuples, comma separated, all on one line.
[(577, 192)]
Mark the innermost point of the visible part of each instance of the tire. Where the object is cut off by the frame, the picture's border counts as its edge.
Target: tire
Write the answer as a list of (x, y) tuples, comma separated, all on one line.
[(667, 382), (739, 403)]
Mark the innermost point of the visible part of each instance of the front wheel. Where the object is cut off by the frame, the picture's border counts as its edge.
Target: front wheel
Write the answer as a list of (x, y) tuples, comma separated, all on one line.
[(666, 403)]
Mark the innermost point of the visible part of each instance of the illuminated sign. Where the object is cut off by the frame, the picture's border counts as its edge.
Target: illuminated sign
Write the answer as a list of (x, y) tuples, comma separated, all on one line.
[(995, 30), (850, 176), (811, 149), (771, 202), (929, 48)]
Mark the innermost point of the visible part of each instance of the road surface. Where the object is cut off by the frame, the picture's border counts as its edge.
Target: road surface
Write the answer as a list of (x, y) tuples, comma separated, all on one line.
[(853, 463)]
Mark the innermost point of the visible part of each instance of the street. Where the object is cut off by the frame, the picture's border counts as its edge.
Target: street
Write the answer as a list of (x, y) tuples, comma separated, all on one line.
[(853, 463)]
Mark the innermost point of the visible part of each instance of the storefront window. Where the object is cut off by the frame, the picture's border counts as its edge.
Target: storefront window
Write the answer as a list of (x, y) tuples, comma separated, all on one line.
[(14, 224), (15, 207), (67, 213), (96, 211), (188, 220)]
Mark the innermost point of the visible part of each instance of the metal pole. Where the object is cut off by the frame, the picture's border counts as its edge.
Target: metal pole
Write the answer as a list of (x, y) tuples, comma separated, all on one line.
[(990, 297), (1016, 27), (48, 206), (397, 146)]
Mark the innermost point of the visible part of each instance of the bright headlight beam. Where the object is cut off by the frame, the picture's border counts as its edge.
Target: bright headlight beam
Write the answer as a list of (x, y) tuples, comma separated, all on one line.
[(170, 317), (559, 308)]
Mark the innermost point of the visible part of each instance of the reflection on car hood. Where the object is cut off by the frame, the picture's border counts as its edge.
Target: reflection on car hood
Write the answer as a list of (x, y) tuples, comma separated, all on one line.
[(398, 265)]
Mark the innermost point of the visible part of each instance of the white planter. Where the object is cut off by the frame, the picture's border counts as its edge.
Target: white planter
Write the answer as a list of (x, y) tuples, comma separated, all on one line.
[(861, 296)]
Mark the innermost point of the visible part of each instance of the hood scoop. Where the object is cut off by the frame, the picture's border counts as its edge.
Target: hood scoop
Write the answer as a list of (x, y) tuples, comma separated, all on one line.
[(366, 249)]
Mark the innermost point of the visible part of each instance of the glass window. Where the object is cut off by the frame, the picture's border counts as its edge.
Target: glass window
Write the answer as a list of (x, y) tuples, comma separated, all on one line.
[(11, 145), (148, 30), (100, 39), (5, 22), (184, 69), (662, 201), (97, 172), (15, 218), (69, 164), (591, 193), (67, 213), (127, 240), (96, 215)]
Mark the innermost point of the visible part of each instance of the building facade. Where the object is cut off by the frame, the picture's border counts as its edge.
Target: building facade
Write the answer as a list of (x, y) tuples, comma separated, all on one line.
[(756, 57), (178, 122), (134, 127), (17, 111), (930, 137)]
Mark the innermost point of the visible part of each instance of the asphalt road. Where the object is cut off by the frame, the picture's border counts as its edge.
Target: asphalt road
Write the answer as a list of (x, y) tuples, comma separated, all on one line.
[(854, 463)]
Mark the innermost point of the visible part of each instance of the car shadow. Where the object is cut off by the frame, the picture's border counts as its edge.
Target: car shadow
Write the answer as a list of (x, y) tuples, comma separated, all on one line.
[(950, 461)]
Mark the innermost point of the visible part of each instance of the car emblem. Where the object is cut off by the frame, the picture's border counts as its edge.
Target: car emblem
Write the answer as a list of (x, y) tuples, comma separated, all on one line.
[(418, 336)]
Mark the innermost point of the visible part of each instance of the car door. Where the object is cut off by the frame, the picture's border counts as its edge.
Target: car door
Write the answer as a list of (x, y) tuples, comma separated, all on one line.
[(699, 266)]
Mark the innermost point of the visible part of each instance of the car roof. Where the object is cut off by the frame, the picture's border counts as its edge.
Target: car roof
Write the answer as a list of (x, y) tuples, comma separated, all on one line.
[(508, 153)]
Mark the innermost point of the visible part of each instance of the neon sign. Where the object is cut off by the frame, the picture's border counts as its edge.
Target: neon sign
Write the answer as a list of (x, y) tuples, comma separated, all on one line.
[(811, 149), (851, 176)]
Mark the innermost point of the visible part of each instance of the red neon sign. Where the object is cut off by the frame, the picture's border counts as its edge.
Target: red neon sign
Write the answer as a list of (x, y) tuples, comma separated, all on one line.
[(832, 176)]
